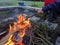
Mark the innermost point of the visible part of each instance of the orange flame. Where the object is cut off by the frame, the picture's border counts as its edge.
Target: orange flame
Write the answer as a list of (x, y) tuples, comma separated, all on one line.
[(10, 42), (21, 25)]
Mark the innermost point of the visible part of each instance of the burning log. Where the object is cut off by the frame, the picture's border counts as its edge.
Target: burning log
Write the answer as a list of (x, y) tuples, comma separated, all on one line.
[(16, 32), (4, 40)]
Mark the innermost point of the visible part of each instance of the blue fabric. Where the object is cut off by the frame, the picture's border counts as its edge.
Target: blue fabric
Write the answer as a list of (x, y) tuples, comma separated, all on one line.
[(21, 3), (54, 7), (58, 1)]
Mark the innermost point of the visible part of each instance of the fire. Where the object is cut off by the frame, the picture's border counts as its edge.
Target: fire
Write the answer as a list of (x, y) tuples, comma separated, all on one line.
[(20, 25), (10, 42)]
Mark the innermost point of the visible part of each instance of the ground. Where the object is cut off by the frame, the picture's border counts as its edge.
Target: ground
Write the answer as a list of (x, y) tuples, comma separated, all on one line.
[(15, 2)]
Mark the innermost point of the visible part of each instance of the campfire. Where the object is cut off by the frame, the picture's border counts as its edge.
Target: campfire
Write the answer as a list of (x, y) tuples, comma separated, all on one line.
[(20, 28), (25, 31)]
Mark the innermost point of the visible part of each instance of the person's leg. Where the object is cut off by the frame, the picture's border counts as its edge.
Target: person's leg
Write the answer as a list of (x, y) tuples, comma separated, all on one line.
[(48, 15), (52, 16)]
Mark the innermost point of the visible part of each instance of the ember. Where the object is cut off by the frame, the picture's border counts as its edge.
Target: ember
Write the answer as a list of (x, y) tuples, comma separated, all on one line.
[(21, 26)]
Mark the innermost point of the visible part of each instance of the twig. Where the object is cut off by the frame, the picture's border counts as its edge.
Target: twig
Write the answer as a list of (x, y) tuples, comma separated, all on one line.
[(30, 39), (45, 39), (38, 39)]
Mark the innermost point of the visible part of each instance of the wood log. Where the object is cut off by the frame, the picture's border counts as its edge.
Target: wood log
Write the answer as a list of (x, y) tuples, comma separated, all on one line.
[(4, 40)]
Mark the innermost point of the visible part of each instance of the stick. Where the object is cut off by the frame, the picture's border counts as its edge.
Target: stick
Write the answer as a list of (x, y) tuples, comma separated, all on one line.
[(37, 39), (45, 39)]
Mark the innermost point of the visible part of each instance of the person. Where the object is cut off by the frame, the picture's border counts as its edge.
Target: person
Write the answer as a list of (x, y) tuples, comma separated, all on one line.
[(46, 2), (53, 7)]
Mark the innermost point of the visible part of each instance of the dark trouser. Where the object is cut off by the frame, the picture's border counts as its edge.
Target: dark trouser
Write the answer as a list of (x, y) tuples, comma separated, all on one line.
[(52, 15)]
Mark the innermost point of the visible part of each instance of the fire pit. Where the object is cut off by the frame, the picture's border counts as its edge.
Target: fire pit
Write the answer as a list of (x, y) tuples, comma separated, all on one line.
[(23, 31)]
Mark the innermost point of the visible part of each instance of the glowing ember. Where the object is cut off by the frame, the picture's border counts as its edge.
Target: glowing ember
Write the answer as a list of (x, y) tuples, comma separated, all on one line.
[(21, 25)]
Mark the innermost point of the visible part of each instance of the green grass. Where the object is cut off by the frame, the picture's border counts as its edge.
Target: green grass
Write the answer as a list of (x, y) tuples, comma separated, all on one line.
[(10, 2), (15, 3), (30, 3)]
